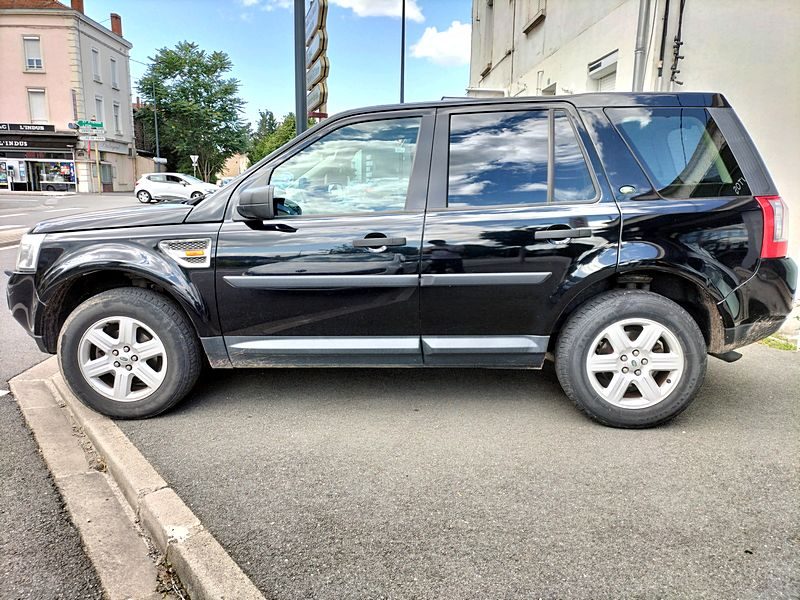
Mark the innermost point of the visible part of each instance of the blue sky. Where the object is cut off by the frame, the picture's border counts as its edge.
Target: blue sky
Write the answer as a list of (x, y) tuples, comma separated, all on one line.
[(363, 45)]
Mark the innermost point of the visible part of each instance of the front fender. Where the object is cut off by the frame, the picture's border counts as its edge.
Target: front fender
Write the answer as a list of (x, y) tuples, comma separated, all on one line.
[(136, 260)]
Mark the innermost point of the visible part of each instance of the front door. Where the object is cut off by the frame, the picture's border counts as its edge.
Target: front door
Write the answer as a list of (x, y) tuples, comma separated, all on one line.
[(519, 221), (333, 279)]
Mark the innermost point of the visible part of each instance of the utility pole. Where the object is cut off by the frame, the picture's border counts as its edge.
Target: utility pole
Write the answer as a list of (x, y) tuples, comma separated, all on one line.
[(403, 54), (155, 116), (300, 110)]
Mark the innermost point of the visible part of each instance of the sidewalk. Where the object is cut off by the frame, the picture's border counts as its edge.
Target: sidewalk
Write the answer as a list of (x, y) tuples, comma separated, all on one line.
[(136, 531)]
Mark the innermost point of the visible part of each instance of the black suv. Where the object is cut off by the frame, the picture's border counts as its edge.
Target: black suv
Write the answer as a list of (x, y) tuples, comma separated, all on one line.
[(626, 236)]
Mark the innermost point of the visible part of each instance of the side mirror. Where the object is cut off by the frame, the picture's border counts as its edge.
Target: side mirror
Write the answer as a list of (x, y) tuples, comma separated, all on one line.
[(257, 203)]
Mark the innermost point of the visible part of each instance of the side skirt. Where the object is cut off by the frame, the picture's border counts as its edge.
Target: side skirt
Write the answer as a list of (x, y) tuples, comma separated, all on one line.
[(511, 352)]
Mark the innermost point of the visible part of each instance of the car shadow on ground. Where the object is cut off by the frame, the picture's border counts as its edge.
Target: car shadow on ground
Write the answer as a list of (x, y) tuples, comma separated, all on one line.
[(259, 388)]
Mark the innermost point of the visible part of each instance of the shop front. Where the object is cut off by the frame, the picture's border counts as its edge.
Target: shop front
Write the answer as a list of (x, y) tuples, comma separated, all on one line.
[(37, 161)]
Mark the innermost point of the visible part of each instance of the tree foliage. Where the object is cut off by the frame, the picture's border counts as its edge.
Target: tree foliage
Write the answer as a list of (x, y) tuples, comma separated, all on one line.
[(271, 140), (267, 124), (199, 108)]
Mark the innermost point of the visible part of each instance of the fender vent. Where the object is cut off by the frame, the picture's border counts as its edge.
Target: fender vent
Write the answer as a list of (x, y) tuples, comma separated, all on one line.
[(194, 254)]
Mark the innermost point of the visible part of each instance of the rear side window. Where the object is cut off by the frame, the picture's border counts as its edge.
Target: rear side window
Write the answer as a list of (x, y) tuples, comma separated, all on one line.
[(501, 158), (682, 151), (157, 178)]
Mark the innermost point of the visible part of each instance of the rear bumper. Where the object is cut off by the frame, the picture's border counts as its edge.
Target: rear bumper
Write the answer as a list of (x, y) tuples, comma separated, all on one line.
[(760, 306)]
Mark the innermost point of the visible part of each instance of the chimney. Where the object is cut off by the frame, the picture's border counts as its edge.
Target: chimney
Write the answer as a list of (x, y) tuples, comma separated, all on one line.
[(116, 23), (77, 5)]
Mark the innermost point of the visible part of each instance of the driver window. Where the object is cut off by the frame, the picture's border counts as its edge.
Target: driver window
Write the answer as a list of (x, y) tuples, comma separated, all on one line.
[(174, 179), (364, 167)]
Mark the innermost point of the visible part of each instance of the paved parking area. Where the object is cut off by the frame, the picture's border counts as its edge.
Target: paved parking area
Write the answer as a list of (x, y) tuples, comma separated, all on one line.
[(489, 484)]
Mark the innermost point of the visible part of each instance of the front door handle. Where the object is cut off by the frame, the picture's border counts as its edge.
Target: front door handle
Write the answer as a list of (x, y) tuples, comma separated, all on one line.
[(379, 242), (562, 234)]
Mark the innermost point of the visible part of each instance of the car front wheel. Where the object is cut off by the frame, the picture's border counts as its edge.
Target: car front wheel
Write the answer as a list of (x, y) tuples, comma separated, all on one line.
[(144, 196), (631, 358), (129, 353)]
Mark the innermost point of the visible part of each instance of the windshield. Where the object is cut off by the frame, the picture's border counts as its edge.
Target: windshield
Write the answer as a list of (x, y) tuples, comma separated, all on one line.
[(192, 179)]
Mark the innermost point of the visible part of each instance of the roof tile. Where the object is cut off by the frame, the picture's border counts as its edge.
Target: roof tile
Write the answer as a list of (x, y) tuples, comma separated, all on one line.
[(32, 4)]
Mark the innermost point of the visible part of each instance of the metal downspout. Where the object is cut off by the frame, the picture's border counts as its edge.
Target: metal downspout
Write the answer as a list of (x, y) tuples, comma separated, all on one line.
[(642, 35)]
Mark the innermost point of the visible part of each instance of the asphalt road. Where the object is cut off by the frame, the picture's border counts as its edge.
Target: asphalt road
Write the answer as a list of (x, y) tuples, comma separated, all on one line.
[(40, 550), (26, 211), (489, 484)]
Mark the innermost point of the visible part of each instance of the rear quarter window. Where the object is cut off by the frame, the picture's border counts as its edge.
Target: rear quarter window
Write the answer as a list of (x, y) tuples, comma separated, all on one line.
[(682, 150)]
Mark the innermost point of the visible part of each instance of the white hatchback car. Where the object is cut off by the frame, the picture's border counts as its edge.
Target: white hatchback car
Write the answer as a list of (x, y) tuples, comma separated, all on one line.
[(170, 186)]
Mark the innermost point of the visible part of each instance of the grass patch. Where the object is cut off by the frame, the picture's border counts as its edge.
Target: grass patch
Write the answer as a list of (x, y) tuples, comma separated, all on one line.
[(779, 343)]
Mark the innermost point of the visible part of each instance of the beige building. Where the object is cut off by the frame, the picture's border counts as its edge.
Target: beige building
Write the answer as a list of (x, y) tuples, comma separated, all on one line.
[(748, 51), (235, 165), (60, 66)]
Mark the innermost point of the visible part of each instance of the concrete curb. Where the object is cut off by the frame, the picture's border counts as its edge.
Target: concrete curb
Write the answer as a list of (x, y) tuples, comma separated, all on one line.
[(204, 567)]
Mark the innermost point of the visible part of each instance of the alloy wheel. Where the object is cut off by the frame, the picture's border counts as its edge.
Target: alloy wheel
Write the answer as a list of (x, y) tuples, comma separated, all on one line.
[(122, 359), (635, 363)]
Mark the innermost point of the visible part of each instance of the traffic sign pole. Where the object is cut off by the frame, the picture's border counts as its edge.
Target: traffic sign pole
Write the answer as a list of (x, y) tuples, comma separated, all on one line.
[(97, 162), (300, 109)]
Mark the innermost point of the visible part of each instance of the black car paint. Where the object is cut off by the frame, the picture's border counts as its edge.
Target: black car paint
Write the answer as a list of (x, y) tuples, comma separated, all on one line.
[(713, 243)]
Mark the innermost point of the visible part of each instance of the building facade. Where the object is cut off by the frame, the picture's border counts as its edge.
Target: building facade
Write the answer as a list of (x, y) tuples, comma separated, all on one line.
[(60, 66), (746, 50)]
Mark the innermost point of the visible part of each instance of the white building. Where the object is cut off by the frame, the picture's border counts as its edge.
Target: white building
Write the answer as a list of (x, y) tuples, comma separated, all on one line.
[(59, 66), (749, 51)]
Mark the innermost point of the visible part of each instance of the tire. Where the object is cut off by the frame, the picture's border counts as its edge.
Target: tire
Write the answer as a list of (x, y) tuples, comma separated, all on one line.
[(170, 353), (657, 330), (49, 188), (144, 196), (196, 195)]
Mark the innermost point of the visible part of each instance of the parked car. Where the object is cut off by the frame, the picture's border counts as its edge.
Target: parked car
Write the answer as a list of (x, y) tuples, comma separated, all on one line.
[(170, 186), (627, 236), (225, 181)]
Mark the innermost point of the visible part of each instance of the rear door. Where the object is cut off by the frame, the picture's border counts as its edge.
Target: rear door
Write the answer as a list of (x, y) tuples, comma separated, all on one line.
[(333, 279), (518, 223)]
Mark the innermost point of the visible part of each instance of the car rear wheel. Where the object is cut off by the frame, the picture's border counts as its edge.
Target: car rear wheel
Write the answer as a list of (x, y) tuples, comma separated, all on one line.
[(631, 358), (129, 353)]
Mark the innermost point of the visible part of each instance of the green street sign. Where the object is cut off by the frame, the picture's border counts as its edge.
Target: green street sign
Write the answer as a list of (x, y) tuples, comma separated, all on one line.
[(95, 124)]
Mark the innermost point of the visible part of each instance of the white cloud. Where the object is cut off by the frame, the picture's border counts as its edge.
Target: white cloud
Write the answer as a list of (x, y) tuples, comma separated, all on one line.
[(382, 8), (450, 47), (249, 2), (273, 4)]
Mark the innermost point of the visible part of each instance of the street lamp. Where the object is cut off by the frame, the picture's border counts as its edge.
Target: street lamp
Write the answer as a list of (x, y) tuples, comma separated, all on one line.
[(403, 54), (155, 120), (155, 113)]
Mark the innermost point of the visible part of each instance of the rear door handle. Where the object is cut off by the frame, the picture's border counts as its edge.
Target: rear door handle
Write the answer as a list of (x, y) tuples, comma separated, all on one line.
[(379, 242), (562, 234)]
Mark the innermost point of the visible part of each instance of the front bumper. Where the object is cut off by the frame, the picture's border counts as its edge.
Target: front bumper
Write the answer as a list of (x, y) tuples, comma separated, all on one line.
[(24, 304)]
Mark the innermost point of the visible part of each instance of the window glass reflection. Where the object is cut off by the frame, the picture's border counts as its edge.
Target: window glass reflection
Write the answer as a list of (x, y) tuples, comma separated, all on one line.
[(682, 150), (364, 167), (498, 158), (572, 181)]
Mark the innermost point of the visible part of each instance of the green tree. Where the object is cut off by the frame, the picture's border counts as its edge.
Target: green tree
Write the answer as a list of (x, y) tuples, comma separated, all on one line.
[(283, 133), (199, 108), (267, 124)]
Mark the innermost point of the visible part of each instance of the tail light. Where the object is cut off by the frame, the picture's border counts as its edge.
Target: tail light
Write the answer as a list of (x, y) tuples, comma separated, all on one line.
[(775, 243)]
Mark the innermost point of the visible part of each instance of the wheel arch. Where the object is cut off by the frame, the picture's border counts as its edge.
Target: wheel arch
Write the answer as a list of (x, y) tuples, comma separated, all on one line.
[(73, 280), (681, 287)]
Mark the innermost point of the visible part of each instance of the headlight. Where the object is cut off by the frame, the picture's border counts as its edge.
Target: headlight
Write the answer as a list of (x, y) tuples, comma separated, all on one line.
[(28, 254)]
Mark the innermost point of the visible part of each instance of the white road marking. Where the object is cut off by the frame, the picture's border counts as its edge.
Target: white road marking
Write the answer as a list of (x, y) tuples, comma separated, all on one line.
[(4, 393), (11, 226), (14, 215), (61, 209)]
